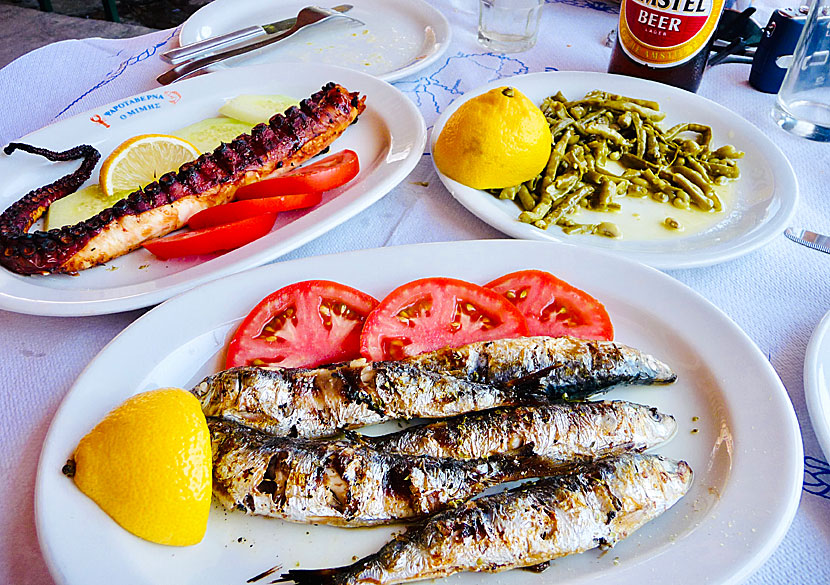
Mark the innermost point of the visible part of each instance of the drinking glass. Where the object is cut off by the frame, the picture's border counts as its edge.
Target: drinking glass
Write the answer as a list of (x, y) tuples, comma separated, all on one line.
[(803, 103), (508, 26)]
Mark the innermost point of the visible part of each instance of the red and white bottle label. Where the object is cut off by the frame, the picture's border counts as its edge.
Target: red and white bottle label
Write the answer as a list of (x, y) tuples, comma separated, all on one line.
[(665, 33)]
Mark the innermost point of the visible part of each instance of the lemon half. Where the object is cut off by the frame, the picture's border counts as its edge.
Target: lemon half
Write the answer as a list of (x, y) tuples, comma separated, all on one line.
[(148, 465), (495, 140), (141, 160)]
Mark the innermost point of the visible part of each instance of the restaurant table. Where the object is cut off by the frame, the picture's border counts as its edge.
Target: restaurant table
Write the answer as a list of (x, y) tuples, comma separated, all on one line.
[(777, 294)]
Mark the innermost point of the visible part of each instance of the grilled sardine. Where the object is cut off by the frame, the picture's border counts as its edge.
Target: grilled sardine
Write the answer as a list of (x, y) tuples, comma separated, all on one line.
[(598, 505), (347, 483), (557, 367), (321, 402), (566, 432)]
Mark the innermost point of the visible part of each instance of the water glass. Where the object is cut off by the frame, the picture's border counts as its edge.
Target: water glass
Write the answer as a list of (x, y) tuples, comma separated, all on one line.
[(803, 103), (508, 26)]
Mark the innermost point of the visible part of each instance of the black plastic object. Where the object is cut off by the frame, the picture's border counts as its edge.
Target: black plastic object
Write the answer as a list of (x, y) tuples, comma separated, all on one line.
[(779, 38)]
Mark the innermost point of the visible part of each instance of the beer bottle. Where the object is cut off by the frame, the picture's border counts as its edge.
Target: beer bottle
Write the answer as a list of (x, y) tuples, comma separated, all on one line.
[(665, 40)]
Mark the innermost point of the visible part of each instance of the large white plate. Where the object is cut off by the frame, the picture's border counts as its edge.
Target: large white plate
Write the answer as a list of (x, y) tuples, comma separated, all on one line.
[(765, 196), (389, 140), (400, 36), (747, 455), (817, 382)]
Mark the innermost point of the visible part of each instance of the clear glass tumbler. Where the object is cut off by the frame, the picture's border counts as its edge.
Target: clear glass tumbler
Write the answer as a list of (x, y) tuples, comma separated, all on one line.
[(508, 26), (803, 104)]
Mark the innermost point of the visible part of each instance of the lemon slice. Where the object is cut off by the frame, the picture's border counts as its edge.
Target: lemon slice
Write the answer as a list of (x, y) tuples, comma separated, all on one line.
[(77, 207), (148, 465), (141, 160), (256, 108), (206, 135)]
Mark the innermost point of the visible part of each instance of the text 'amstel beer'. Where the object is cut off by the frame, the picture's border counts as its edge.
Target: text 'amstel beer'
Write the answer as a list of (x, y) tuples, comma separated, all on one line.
[(666, 33)]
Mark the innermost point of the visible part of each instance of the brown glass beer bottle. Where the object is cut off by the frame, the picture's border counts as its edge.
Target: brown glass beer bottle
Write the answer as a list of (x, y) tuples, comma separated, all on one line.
[(665, 40)]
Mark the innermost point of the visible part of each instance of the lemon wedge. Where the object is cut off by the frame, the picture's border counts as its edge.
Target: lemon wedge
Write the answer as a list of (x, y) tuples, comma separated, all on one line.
[(495, 140), (148, 465), (141, 160)]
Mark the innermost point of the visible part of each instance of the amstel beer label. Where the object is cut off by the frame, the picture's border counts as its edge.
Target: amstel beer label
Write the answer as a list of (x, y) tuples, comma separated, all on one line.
[(666, 33)]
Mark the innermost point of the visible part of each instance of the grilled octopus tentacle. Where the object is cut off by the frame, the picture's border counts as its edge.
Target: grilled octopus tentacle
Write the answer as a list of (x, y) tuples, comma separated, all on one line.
[(285, 141), (40, 247)]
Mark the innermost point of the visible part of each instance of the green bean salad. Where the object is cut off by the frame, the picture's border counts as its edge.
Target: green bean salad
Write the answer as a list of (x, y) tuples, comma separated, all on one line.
[(675, 166)]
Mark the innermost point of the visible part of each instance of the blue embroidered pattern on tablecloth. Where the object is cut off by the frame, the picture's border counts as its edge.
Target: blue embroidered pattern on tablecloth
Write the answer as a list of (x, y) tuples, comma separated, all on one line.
[(112, 75), (816, 477), (432, 93)]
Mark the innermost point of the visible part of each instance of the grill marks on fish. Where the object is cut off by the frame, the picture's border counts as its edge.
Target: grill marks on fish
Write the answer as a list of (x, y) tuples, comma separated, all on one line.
[(555, 367), (165, 205), (324, 401), (599, 504), (346, 483), (564, 432), (479, 376)]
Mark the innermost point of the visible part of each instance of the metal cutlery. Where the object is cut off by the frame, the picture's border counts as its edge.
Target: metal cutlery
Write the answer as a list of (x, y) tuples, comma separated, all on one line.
[(246, 35), (810, 239), (308, 16)]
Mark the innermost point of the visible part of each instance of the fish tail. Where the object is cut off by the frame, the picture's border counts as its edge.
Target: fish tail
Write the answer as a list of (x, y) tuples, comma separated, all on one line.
[(313, 577)]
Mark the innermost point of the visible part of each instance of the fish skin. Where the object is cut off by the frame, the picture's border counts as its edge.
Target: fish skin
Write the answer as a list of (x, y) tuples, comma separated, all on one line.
[(566, 432), (346, 483), (324, 401), (599, 504), (555, 367)]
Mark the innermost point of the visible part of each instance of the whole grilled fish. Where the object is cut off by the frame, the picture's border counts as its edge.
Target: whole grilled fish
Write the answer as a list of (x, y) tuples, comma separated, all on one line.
[(322, 402), (597, 505), (556, 367), (345, 483), (567, 432)]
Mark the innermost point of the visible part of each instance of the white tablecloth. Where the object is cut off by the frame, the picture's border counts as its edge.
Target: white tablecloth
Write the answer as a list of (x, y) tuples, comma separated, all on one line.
[(777, 294)]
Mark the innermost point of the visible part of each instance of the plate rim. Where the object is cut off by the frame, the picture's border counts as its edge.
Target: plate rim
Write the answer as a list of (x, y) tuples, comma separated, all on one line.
[(511, 226), (740, 567), (122, 298), (440, 24), (816, 403)]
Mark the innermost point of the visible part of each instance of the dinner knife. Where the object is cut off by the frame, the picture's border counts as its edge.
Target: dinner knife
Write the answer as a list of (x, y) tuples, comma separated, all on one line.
[(214, 44), (308, 16), (810, 239)]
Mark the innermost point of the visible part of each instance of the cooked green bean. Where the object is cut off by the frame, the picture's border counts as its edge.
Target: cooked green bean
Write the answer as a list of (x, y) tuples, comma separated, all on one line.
[(697, 196), (525, 198), (509, 192), (672, 166)]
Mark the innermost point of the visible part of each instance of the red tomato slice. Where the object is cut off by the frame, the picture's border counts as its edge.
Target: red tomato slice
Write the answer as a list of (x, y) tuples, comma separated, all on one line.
[(212, 239), (553, 307), (302, 325), (432, 313), (239, 210), (327, 173)]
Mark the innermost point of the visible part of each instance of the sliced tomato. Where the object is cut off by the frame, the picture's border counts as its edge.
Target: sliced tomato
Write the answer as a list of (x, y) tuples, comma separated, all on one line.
[(327, 173), (239, 210), (302, 325), (432, 313), (212, 239), (553, 307)]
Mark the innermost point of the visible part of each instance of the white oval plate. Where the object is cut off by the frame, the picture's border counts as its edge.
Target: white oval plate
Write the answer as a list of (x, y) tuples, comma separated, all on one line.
[(817, 382), (746, 455), (389, 139), (400, 37), (765, 196)]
